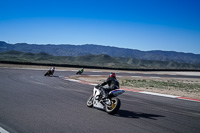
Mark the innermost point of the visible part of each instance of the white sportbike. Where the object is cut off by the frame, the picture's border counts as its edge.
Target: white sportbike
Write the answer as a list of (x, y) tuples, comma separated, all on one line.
[(110, 104)]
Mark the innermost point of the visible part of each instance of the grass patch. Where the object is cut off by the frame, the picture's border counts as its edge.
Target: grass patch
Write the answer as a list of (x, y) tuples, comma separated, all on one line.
[(189, 86)]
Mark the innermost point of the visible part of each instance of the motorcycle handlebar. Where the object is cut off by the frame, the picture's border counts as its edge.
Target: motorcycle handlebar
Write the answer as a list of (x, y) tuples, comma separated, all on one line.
[(98, 86)]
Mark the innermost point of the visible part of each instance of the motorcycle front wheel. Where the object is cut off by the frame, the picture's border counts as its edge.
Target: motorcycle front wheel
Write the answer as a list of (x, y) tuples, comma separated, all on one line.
[(90, 101), (46, 74), (114, 107)]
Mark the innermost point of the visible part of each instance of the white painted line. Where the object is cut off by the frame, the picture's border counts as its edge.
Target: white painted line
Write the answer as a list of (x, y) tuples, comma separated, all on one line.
[(93, 84), (171, 74), (74, 70), (136, 76), (158, 94), (96, 71), (154, 77), (130, 72), (3, 130), (72, 80)]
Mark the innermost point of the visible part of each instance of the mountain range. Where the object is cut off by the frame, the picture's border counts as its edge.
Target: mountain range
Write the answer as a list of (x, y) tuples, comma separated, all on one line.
[(91, 49), (94, 61)]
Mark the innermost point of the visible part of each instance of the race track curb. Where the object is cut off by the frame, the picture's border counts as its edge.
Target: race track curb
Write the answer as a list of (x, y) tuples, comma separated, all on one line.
[(137, 91)]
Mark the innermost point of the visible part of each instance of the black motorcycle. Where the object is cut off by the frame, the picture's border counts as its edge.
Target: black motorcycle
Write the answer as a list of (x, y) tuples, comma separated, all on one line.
[(49, 73), (80, 72)]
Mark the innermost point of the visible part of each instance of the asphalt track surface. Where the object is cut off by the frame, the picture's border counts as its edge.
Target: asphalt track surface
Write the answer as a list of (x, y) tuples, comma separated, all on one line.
[(32, 103)]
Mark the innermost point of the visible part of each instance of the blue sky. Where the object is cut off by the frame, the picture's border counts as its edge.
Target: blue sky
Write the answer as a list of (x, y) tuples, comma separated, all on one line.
[(170, 25)]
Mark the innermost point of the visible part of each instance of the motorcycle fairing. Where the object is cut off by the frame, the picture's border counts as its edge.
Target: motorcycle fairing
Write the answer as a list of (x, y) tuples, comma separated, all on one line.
[(97, 104), (96, 101), (116, 92)]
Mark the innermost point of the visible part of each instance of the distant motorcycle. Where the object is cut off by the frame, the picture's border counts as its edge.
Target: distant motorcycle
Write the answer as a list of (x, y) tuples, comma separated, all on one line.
[(49, 73), (80, 72), (111, 104)]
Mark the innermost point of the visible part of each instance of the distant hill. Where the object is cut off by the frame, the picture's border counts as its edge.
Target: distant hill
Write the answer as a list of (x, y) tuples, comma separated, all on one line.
[(90, 49), (95, 60)]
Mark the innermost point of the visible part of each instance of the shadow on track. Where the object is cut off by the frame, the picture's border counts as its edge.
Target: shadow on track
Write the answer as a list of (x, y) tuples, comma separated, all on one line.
[(131, 114), (52, 76)]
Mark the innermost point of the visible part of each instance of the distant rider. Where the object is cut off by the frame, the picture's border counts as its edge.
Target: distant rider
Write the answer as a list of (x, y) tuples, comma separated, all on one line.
[(52, 69), (112, 83), (81, 71)]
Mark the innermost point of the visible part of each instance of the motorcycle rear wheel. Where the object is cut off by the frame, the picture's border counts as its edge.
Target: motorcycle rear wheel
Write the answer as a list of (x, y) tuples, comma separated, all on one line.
[(90, 101), (114, 107)]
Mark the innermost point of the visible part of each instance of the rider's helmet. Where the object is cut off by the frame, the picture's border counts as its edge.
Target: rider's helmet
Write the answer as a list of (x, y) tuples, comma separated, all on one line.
[(112, 75)]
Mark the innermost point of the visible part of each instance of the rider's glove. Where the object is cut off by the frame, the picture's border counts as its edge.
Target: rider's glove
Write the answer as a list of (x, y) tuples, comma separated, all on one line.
[(98, 86)]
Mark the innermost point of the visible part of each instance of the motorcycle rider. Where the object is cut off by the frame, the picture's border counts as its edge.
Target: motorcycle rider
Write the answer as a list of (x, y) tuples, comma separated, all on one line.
[(112, 83), (52, 69), (80, 71)]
